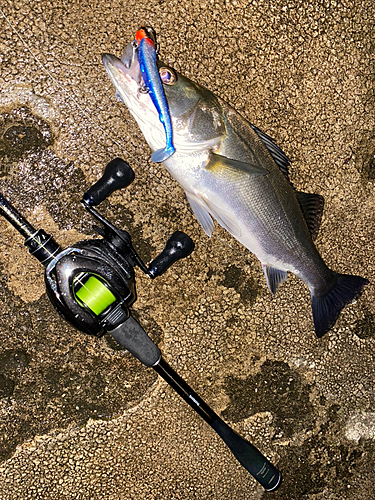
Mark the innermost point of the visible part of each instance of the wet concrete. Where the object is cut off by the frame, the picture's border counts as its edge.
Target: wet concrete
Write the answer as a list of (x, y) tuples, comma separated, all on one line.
[(80, 418)]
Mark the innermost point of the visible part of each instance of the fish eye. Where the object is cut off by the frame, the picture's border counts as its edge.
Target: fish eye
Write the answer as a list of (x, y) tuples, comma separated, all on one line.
[(168, 76)]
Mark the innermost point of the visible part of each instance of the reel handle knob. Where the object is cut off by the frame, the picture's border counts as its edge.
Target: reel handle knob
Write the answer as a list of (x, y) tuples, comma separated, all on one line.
[(117, 174), (178, 246)]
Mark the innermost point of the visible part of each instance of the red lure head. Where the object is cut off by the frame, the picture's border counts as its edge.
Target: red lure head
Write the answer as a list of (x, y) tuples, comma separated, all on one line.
[(146, 32)]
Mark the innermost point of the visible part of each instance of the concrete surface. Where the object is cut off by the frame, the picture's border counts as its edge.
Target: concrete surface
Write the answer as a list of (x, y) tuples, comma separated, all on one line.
[(81, 419)]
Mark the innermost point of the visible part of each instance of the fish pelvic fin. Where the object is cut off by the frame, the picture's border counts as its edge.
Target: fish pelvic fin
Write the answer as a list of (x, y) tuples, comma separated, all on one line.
[(312, 208), (201, 212), (274, 277), (162, 154), (205, 209), (326, 308)]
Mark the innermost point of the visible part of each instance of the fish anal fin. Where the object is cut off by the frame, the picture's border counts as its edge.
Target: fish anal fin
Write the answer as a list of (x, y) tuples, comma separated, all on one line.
[(201, 212), (312, 208), (274, 277), (218, 162)]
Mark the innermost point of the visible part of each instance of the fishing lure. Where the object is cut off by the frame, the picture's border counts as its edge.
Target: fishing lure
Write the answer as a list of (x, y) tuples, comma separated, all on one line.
[(147, 57)]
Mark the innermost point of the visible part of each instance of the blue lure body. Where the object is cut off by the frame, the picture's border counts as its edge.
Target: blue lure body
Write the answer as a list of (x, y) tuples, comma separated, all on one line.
[(147, 58)]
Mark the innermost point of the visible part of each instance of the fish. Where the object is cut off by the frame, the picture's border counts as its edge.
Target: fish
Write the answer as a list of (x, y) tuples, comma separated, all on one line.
[(234, 173), (147, 56)]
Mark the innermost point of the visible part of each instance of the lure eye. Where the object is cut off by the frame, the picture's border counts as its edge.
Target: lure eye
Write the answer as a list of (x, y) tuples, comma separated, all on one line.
[(168, 76)]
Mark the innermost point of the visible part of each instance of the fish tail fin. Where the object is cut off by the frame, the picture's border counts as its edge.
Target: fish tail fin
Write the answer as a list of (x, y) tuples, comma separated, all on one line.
[(326, 308), (162, 154)]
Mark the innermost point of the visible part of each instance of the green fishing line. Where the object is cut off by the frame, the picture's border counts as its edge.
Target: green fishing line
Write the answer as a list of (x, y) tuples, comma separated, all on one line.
[(95, 295)]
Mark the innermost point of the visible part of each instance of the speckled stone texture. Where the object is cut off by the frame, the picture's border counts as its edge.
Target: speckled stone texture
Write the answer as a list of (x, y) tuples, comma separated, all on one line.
[(80, 418)]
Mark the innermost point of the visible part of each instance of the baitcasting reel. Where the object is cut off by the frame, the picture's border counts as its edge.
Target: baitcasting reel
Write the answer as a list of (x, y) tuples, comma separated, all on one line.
[(92, 285)]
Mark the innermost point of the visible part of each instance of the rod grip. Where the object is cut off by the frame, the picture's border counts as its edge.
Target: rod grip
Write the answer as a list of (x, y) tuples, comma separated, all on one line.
[(249, 456), (131, 335)]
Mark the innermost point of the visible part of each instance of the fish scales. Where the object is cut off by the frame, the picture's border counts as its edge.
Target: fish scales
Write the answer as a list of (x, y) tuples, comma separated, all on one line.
[(234, 173), (279, 231)]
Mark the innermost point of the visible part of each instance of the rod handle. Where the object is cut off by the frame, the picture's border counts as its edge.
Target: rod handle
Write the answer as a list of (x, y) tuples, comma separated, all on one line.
[(132, 336), (249, 456)]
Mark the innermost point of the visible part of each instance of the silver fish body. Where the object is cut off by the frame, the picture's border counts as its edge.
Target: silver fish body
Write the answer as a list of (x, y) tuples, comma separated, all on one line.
[(234, 173)]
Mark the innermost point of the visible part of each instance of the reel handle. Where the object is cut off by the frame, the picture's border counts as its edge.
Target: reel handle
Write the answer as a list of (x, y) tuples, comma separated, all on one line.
[(179, 245), (117, 175)]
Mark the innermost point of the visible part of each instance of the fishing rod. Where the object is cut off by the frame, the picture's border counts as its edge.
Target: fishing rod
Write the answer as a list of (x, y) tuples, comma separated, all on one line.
[(92, 285)]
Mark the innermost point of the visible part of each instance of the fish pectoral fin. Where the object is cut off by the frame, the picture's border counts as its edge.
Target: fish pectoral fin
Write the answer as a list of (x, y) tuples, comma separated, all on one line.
[(312, 208), (218, 162), (274, 277), (201, 212)]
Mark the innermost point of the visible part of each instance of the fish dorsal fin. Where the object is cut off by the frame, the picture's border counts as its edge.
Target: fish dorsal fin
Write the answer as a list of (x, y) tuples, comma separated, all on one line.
[(280, 158), (201, 212), (311, 204), (218, 162), (274, 277), (312, 208)]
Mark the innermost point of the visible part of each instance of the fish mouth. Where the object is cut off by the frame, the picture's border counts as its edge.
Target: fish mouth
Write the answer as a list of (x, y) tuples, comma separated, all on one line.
[(125, 75), (129, 56), (116, 69), (125, 64), (125, 71), (109, 60)]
